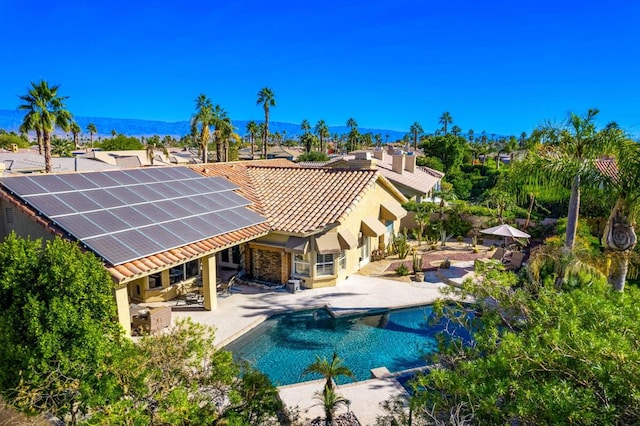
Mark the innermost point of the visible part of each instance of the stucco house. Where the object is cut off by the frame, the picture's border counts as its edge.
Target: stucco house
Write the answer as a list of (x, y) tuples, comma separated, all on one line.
[(160, 229)]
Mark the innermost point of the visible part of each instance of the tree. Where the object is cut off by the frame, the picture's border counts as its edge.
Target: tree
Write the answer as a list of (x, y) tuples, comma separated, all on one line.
[(47, 111), (92, 129), (322, 130), (619, 237), (445, 120), (354, 134), (61, 147), (330, 401), (154, 143), (180, 377), (329, 371), (536, 355), (456, 130), (200, 122), (416, 130), (56, 327), (31, 120), (122, 143), (305, 126), (267, 99), (113, 133), (449, 149), (252, 129), (75, 130), (570, 156)]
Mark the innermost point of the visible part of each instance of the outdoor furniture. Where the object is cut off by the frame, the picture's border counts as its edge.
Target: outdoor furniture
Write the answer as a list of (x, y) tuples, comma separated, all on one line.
[(190, 299), (151, 320), (515, 262), (497, 257), (224, 288)]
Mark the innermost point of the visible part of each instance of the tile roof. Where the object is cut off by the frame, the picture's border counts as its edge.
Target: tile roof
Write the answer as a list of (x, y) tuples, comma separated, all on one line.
[(608, 167), (297, 199), (422, 180)]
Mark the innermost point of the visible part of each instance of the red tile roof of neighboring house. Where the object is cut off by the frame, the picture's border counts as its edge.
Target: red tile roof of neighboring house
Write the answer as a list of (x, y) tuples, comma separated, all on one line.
[(608, 167)]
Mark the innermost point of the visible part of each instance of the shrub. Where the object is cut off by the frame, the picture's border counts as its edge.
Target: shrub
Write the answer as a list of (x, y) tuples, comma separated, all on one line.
[(460, 238), (402, 270)]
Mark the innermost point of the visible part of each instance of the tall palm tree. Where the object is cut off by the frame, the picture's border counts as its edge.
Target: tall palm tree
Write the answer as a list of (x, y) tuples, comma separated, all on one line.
[(46, 108), (352, 124), (445, 120), (470, 135), (252, 129), (322, 130), (220, 121), (200, 122), (75, 130), (568, 157), (305, 126), (92, 129), (416, 130), (267, 99), (456, 130)]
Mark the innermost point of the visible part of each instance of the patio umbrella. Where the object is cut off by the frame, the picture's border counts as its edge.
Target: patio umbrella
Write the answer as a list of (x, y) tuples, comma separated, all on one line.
[(506, 231)]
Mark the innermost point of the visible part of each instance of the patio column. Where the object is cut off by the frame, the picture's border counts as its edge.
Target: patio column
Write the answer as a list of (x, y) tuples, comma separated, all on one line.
[(209, 281), (121, 296)]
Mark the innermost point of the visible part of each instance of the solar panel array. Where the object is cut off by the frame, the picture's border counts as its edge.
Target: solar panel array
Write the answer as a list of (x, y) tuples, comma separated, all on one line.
[(130, 214)]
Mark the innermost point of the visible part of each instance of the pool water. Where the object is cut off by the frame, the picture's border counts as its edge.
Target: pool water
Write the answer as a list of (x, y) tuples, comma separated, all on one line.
[(284, 345)]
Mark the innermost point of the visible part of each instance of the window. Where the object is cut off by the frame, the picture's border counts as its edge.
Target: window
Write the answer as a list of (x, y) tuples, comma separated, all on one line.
[(301, 264), (155, 281), (389, 225), (8, 213), (324, 264), (192, 269), (342, 260)]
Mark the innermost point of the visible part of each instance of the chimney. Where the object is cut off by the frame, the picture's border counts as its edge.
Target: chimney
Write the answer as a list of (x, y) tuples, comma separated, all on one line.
[(397, 164), (362, 161), (410, 162), (378, 154)]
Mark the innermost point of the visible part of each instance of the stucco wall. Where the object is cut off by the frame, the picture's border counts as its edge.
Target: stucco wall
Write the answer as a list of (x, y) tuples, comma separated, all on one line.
[(23, 225)]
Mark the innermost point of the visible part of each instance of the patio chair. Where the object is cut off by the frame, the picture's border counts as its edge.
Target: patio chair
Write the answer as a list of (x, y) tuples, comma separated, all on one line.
[(515, 262), (224, 288), (496, 258)]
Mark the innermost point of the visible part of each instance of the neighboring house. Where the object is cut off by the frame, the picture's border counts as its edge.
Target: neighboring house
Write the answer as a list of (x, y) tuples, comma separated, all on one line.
[(160, 229), (127, 159), (31, 162), (414, 182)]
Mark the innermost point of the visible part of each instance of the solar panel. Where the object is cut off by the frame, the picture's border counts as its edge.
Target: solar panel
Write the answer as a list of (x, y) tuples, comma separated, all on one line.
[(50, 205), (130, 214)]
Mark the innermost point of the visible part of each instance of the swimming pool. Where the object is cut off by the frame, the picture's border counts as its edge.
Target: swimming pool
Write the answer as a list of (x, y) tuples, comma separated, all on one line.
[(284, 345)]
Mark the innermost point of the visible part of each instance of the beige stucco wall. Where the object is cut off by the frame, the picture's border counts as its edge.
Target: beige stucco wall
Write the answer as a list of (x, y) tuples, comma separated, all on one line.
[(23, 225)]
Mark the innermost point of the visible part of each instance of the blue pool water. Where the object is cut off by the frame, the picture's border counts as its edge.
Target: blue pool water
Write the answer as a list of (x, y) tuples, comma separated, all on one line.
[(285, 345)]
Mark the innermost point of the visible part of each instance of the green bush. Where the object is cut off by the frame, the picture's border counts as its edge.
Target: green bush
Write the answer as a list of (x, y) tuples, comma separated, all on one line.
[(402, 270)]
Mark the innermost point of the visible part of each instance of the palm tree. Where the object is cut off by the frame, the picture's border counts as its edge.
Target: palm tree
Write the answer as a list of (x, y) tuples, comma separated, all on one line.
[(75, 130), (619, 235), (61, 147), (470, 136), (445, 120), (330, 401), (252, 129), (267, 99), (352, 124), (329, 370), (46, 108), (31, 119), (114, 133), (203, 117), (305, 126), (91, 128), (571, 156), (456, 130), (220, 121), (416, 130), (322, 130)]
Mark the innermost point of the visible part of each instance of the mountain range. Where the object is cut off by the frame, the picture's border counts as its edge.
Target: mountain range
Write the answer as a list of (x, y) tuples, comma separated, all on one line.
[(10, 120)]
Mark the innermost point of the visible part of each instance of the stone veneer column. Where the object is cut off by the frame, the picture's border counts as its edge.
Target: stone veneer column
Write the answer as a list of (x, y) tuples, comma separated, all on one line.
[(209, 281), (121, 296)]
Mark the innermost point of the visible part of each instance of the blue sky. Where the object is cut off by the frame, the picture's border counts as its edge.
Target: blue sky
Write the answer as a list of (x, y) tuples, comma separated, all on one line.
[(503, 66)]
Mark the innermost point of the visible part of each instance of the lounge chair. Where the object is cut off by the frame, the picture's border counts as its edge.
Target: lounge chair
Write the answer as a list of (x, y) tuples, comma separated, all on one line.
[(515, 262), (224, 288)]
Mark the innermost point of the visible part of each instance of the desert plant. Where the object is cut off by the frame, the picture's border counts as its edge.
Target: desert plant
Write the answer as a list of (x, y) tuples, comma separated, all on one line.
[(417, 262), (401, 246), (446, 263), (474, 241), (444, 237), (460, 238), (402, 270)]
